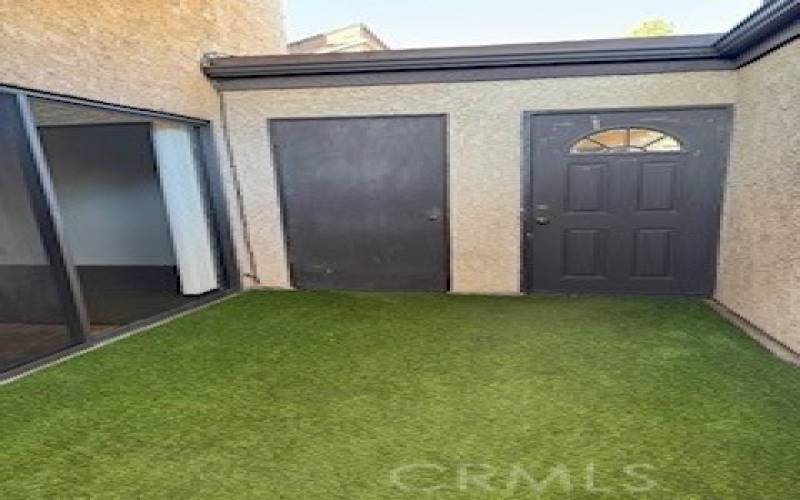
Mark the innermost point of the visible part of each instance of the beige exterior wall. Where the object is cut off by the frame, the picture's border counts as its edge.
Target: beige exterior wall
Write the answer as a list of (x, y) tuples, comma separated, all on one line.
[(759, 272), (144, 53), (485, 120)]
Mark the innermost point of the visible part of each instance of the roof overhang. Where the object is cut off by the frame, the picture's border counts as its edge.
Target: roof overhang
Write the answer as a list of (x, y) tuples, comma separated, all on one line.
[(773, 25)]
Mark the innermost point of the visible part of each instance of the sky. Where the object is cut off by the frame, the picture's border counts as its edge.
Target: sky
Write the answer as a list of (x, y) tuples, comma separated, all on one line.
[(440, 23)]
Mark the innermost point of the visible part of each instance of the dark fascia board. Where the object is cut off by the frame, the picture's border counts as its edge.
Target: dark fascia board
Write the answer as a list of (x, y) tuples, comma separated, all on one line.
[(766, 22), (470, 75), (769, 44), (489, 56), (771, 26)]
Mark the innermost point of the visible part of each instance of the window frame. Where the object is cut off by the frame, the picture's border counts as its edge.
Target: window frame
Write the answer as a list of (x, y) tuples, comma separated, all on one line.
[(627, 148)]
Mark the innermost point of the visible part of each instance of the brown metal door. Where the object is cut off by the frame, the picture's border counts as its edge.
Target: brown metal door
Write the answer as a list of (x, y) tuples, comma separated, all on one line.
[(364, 201)]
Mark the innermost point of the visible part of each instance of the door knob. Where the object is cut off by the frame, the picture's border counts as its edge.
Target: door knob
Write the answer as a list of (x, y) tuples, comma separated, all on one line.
[(542, 221)]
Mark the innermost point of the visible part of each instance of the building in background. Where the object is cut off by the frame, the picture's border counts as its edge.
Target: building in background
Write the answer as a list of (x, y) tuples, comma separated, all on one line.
[(353, 38)]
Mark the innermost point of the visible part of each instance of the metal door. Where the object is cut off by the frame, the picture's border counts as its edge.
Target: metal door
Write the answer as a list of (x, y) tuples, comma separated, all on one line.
[(625, 201), (364, 201)]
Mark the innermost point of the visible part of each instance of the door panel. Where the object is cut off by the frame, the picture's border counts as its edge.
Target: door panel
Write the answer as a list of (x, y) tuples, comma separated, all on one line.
[(652, 253), (657, 186), (587, 188), (36, 319), (583, 253), (625, 201), (364, 201)]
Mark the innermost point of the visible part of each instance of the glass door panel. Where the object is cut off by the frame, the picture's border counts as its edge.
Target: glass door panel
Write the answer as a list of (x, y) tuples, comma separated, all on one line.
[(133, 208), (33, 323)]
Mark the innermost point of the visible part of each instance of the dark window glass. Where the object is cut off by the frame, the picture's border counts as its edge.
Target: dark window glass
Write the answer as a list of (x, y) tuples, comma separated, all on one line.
[(627, 140), (132, 200), (32, 320)]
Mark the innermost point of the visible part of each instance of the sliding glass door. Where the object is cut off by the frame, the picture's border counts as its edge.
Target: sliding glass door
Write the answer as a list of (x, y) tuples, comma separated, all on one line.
[(133, 203), (109, 220), (37, 309)]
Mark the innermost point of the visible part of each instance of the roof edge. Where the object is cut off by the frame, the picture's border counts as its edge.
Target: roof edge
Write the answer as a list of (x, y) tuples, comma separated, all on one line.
[(771, 18), (476, 57)]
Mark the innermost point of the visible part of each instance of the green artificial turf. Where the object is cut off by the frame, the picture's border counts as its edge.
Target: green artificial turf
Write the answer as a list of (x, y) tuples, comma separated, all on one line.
[(353, 396)]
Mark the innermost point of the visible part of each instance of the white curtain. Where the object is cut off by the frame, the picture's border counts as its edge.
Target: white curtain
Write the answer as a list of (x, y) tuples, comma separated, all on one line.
[(184, 197)]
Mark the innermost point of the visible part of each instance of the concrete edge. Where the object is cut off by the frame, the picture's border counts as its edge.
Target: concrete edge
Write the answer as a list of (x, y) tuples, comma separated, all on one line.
[(776, 347)]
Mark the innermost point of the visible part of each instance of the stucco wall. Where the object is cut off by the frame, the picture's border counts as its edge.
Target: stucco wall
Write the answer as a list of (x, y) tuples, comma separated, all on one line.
[(759, 271), (145, 53), (485, 153)]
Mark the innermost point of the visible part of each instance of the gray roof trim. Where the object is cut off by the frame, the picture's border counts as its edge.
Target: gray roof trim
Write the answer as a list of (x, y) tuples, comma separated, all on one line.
[(760, 33), (490, 56), (770, 19), (470, 75)]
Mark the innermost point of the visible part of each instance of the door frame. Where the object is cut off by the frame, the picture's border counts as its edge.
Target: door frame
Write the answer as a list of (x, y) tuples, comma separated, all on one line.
[(277, 171), (47, 213), (527, 159)]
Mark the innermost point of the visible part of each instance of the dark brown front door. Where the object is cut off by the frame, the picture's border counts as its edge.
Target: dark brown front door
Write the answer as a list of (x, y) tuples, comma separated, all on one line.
[(625, 202), (364, 201)]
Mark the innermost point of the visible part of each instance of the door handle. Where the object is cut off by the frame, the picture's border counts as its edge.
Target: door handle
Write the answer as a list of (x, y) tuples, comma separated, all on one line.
[(542, 221)]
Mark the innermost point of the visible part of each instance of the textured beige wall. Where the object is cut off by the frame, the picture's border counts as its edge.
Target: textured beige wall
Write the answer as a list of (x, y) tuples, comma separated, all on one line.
[(143, 53), (759, 271), (485, 147)]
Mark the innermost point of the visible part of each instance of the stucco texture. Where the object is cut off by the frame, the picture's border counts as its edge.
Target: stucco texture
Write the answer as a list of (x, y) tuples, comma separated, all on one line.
[(144, 54), (759, 270), (485, 120)]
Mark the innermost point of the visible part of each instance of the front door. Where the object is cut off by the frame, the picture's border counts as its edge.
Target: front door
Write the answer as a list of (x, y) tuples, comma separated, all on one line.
[(625, 202), (364, 201)]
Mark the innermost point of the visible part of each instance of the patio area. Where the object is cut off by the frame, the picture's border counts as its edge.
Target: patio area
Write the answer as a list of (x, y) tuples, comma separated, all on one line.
[(362, 395)]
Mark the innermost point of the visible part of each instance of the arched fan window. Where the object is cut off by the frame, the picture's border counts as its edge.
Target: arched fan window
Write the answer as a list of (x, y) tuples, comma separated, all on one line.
[(627, 140)]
